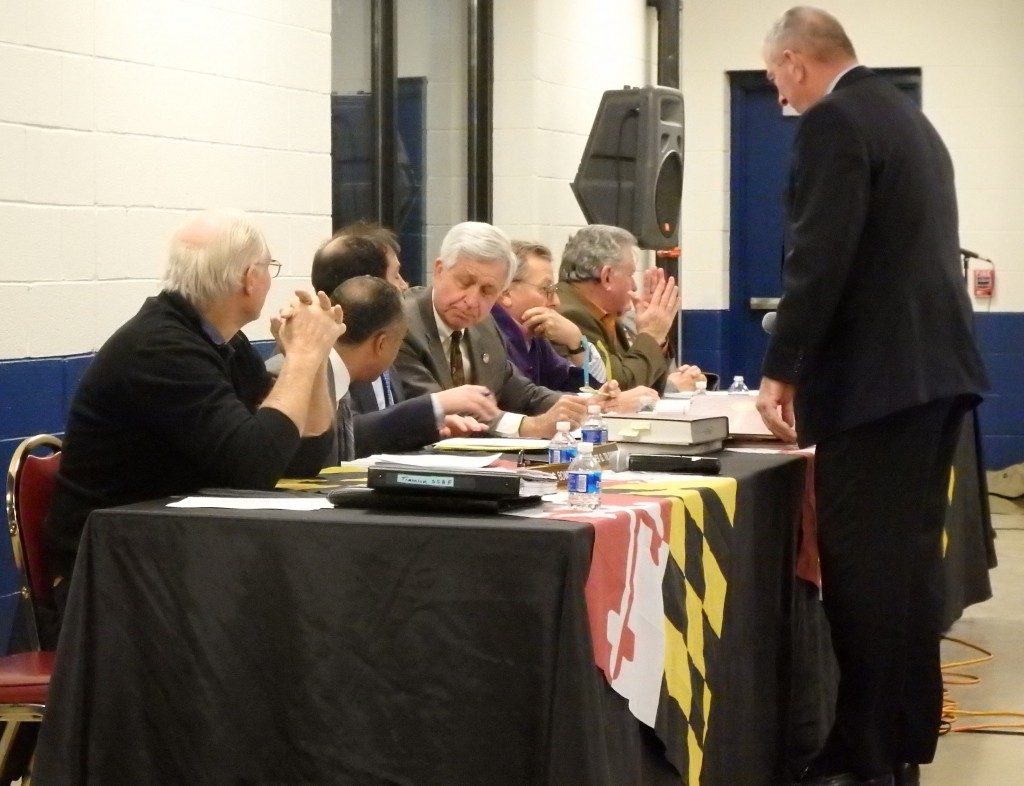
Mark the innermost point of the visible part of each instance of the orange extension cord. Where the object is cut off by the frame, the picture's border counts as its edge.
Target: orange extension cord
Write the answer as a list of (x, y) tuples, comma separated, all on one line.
[(951, 711)]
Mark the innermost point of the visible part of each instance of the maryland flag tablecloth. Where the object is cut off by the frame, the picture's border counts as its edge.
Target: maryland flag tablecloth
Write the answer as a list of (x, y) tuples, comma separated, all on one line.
[(656, 599)]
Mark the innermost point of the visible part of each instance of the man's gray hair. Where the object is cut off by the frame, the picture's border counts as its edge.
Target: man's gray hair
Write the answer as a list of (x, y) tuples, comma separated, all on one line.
[(524, 250), (812, 31), (209, 255), (591, 249), (480, 242)]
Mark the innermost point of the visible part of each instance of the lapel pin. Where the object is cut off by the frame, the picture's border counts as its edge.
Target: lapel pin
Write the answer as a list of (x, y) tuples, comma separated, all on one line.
[(486, 358)]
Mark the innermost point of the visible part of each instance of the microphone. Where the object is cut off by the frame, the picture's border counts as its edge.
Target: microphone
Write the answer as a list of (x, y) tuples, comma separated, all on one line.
[(967, 254), (768, 322)]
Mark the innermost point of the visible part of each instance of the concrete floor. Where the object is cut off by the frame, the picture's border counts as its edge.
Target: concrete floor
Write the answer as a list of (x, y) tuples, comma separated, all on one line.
[(989, 759)]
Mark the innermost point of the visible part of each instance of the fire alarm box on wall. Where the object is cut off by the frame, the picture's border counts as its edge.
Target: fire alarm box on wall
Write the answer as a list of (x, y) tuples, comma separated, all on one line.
[(984, 283)]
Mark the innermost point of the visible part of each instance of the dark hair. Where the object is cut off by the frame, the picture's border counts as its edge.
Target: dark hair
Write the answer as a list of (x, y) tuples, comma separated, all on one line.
[(370, 304), (381, 236), (343, 257)]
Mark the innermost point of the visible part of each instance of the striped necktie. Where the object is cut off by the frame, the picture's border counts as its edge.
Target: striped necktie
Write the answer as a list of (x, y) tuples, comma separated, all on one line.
[(389, 393), (345, 434)]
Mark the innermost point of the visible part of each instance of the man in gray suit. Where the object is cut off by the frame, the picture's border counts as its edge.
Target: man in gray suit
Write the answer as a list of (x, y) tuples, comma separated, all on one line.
[(453, 340)]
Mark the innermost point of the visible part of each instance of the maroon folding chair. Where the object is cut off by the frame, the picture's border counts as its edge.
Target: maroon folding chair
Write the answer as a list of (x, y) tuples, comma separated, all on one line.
[(25, 677)]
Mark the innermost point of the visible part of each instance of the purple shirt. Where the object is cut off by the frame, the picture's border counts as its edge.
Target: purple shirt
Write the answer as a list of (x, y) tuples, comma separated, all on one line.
[(535, 358)]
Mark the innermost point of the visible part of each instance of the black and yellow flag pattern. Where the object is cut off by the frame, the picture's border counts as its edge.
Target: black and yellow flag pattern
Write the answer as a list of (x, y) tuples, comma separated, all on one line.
[(694, 592)]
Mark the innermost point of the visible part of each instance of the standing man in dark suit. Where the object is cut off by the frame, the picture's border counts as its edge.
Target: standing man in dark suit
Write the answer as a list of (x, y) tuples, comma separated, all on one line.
[(453, 339), (873, 360)]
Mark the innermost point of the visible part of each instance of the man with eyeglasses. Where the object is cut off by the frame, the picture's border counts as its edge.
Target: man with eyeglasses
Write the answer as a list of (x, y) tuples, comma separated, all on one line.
[(526, 316), (178, 399)]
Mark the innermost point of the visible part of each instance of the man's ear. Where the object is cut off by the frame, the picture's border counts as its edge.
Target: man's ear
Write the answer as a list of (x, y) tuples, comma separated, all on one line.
[(505, 298), (379, 342), (606, 275), (795, 62), (438, 267), (249, 280)]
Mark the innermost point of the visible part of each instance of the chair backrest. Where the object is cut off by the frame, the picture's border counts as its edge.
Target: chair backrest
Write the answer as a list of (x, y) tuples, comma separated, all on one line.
[(30, 482)]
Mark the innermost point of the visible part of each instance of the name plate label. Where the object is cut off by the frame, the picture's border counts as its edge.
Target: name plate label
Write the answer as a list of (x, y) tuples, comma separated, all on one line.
[(430, 481)]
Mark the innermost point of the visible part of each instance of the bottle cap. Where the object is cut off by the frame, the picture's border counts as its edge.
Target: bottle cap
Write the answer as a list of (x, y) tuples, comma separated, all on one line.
[(593, 409), (586, 447), (563, 425)]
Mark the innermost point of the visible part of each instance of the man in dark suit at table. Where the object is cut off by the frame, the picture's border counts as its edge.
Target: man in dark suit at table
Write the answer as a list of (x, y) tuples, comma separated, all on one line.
[(375, 325), (452, 337), (384, 420), (873, 360)]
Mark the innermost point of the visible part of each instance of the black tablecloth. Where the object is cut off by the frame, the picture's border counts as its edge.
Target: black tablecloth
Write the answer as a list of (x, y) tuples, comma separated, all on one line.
[(350, 647), (343, 646)]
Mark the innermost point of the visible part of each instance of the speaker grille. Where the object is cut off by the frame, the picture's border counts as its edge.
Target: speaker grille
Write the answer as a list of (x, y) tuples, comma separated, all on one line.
[(668, 193)]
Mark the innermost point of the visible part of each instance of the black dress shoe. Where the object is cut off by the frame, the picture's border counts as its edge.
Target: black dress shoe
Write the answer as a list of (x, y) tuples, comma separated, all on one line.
[(905, 774), (847, 779)]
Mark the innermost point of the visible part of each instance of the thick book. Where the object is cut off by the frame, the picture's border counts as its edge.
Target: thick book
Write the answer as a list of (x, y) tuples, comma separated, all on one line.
[(464, 483), (741, 410), (666, 428)]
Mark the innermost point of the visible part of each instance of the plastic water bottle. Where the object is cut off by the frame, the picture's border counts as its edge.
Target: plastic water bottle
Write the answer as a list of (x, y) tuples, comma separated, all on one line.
[(562, 447), (594, 430), (738, 386), (585, 479)]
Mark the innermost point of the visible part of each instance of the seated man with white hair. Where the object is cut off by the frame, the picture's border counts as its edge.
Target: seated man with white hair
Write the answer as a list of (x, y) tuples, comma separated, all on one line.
[(178, 399), (453, 340)]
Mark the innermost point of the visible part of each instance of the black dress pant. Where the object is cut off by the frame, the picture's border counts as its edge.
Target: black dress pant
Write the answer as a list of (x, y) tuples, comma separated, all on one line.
[(882, 491)]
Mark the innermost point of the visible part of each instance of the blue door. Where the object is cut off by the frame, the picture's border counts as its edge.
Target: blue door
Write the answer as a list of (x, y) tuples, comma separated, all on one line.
[(761, 139)]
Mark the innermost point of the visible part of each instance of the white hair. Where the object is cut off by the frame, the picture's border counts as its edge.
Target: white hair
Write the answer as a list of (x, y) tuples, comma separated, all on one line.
[(480, 242), (811, 30), (209, 255)]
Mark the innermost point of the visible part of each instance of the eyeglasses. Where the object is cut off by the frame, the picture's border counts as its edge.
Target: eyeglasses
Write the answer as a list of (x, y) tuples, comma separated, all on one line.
[(549, 291), (273, 267)]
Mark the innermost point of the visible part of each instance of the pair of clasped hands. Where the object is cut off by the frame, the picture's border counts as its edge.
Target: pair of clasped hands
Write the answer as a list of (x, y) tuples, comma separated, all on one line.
[(308, 324)]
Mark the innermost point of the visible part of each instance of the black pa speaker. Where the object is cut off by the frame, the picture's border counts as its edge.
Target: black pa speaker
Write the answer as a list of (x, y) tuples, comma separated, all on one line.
[(631, 173)]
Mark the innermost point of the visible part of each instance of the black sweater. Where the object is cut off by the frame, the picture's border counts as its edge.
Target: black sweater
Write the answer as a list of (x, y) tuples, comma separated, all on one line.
[(163, 410)]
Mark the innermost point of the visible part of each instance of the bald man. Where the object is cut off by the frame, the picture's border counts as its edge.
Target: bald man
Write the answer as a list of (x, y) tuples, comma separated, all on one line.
[(872, 360)]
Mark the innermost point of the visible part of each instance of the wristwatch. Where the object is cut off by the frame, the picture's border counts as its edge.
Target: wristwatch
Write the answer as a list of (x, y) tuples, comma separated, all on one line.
[(577, 350)]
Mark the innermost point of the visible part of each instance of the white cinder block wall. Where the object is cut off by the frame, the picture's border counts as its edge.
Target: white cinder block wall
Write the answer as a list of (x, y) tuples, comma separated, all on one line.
[(554, 59), (117, 117)]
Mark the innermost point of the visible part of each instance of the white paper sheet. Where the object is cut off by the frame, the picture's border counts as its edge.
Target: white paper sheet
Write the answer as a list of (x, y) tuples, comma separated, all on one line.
[(503, 444), (255, 503), (431, 461)]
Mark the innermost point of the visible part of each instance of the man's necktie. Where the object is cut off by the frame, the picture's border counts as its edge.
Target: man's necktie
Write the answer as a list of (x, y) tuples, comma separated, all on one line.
[(455, 358), (345, 434), (389, 393)]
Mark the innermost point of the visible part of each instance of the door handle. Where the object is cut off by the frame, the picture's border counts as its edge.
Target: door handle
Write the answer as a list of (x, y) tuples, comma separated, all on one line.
[(764, 303)]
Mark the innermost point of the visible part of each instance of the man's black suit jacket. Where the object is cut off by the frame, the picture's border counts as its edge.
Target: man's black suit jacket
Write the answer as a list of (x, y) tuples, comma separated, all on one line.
[(874, 317), (408, 424)]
